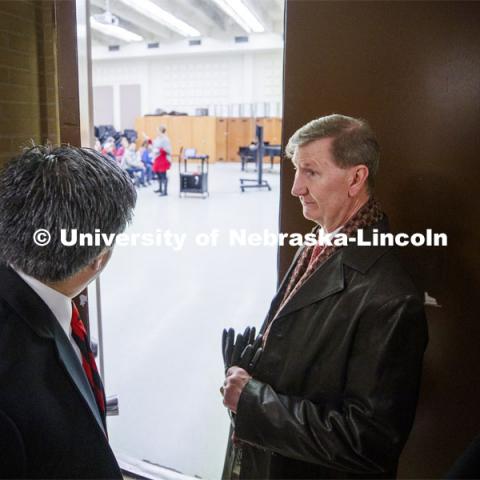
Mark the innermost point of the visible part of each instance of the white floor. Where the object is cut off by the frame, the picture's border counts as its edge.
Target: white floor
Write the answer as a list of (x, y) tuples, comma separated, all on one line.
[(164, 311)]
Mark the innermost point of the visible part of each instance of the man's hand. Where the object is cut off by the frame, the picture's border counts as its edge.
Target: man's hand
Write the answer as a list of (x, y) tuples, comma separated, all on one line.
[(235, 382)]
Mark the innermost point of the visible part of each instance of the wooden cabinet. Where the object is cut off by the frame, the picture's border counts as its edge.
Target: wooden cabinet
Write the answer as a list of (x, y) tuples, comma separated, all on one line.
[(218, 137), (203, 136), (221, 132), (241, 132), (179, 130), (272, 130)]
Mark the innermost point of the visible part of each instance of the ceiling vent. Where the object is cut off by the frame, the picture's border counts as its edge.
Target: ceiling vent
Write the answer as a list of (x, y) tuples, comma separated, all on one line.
[(113, 48), (153, 45), (241, 39), (194, 42)]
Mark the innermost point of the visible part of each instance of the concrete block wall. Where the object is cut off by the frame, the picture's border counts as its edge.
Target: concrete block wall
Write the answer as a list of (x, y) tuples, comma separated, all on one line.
[(215, 81)]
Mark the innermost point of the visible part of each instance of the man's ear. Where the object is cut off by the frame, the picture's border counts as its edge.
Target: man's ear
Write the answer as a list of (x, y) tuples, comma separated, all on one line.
[(100, 262), (358, 180)]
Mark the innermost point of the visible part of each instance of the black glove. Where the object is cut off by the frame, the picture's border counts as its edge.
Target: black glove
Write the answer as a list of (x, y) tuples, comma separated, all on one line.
[(243, 351)]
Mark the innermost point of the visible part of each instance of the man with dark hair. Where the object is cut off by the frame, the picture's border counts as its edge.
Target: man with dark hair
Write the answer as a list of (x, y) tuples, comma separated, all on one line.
[(52, 402), (334, 393)]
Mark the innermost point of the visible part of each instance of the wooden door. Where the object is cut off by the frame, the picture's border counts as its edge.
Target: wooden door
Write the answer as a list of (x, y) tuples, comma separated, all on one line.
[(412, 69), (221, 133), (203, 136), (179, 129), (241, 131)]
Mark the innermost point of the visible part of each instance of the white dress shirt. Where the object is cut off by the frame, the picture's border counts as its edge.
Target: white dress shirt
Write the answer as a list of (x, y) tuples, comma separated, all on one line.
[(59, 304)]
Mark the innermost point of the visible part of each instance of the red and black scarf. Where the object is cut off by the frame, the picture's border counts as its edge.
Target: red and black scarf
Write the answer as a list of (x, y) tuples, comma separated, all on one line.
[(314, 256)]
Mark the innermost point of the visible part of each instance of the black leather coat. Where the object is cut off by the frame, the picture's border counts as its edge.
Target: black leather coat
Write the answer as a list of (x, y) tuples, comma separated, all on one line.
[(335, 392)]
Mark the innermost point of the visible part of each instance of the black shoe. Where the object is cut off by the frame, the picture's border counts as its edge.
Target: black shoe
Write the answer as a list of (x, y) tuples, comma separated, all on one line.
[(156, 191)]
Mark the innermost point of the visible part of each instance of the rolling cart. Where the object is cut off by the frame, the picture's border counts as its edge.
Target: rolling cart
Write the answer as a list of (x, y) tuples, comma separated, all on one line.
[(193, 180)]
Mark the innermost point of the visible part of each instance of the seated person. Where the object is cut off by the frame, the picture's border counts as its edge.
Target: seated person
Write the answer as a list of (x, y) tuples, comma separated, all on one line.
[(120, 152), (109, 149), (145, 154), (132, 164)]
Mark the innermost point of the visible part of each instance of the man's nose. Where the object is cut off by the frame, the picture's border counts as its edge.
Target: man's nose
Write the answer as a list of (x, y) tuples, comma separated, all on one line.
[(298, 188)]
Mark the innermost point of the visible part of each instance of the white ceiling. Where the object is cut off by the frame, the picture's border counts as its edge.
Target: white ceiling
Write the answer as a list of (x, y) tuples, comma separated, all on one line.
[(204, 15)]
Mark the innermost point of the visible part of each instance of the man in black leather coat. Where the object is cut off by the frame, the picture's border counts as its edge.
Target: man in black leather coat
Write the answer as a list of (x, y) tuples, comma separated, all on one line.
[(335, 390)]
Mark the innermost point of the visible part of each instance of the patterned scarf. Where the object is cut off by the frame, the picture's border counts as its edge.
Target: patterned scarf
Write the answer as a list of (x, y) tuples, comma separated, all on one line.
[(314, 256)]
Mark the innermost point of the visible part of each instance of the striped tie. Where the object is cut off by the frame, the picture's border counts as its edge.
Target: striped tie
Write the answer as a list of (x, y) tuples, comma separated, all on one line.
[(80, 336)]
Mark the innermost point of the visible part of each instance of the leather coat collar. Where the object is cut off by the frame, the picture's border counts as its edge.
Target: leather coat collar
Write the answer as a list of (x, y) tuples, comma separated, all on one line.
[(329, 278), (35, 313)]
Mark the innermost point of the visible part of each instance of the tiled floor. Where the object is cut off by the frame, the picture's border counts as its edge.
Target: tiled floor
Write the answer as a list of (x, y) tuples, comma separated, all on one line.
[(164, 311)]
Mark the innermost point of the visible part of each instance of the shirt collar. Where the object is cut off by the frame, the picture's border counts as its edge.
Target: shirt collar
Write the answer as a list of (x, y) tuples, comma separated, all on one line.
[(59, 304), (330, 235)]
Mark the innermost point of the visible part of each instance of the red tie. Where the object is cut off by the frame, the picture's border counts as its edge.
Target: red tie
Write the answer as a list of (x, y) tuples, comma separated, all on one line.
[(80, 336)]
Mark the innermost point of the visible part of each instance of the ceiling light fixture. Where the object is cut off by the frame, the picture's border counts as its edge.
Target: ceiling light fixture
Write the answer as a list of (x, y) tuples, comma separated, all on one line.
[(113, 30), (241, 14), (150, 10)]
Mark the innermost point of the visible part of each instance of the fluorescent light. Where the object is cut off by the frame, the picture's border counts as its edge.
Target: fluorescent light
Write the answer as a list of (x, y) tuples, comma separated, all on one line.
[(115, 31), (150, 10), (241, 14)]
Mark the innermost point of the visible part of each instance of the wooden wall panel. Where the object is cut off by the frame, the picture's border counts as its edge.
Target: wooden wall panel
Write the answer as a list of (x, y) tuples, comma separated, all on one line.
[(140, 128), (412, 69), (241, 131), (179, 130), (204, 136), (220, 138), (272, 129), (221, 133), (67, 72), (272, 132)]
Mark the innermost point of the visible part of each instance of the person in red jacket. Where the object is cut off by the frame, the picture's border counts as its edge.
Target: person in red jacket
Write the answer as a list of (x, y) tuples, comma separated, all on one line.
[(160, 166), (162, 151)]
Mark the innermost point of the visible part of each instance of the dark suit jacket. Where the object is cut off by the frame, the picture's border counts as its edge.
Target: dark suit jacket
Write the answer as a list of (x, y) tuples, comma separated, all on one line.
[(50, 426), (335, 391)]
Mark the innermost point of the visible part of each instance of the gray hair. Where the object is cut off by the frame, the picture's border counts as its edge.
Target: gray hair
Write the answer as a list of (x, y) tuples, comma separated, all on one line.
[(56, 188), (354, 142)]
